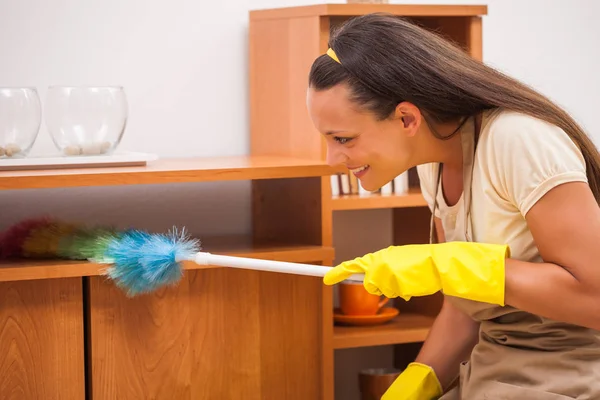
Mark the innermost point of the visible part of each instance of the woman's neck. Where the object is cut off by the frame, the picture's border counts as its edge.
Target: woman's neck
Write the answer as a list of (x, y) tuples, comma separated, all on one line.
[(445, 151)]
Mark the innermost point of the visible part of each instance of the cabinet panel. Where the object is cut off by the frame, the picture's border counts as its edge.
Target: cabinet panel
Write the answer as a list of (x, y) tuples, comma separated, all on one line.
[(42, 340), (220, 334), (139, 346)]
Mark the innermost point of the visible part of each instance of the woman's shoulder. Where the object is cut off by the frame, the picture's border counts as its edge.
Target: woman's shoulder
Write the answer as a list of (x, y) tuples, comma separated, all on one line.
[(522, 156), (508, 129), (508, 136), (501, 121)]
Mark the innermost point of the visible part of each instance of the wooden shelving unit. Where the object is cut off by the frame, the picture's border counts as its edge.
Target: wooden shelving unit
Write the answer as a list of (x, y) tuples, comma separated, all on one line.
[(413, 198), (405, 328), (283, 44)]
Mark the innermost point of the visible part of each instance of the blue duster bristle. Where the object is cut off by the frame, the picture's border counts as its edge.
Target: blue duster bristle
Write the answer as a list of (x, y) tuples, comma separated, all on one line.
[(143, 262)]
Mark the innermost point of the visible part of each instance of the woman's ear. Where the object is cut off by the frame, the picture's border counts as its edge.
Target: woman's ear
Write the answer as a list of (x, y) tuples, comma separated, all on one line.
[(410, 116), (407, 120)]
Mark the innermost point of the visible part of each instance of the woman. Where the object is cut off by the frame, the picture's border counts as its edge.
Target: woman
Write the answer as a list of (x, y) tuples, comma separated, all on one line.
[(513, 183)]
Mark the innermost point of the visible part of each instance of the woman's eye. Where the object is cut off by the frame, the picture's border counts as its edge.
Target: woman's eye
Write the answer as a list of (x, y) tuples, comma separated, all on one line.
[(342, 140)]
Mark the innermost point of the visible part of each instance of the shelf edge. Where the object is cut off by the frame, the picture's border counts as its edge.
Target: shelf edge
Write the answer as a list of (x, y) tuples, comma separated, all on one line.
[(362, 338), (354, 202), (57, 269), (356, 9)]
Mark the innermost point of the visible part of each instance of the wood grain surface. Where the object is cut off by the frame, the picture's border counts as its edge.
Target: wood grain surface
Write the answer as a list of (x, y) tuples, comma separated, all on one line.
[(221, 334), (41, 340)]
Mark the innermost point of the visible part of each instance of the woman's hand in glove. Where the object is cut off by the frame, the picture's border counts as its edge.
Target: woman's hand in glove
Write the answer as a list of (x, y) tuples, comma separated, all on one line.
[(468, 270)]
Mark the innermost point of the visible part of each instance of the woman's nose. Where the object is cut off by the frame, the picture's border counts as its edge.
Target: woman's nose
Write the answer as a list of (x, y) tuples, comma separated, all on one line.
[(334, 156)]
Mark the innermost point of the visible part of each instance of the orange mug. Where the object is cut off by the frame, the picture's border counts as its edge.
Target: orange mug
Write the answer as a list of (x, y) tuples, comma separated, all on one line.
[(355, 300)]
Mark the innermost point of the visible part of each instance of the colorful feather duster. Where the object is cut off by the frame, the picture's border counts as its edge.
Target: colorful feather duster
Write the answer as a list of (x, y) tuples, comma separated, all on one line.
[(138, 261), (130, 252), (47, 238)]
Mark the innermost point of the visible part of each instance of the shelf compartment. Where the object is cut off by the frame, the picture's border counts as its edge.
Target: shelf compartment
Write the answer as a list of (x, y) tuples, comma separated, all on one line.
[(413, 198), (405, 328), (173, 170), (234, 245)]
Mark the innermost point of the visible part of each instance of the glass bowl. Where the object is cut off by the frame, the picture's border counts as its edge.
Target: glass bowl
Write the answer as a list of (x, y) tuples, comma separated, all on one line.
[(20, 119), (86, 120)]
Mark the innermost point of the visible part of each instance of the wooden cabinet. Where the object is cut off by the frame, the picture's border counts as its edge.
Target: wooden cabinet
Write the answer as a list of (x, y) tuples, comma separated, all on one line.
[(67, 332)]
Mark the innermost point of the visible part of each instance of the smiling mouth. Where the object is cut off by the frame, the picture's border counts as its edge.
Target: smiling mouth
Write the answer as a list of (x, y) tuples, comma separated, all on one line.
[(359, 170)]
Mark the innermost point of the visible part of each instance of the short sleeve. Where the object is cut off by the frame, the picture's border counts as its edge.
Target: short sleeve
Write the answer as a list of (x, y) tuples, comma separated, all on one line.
[(427, 182), (527, 157)]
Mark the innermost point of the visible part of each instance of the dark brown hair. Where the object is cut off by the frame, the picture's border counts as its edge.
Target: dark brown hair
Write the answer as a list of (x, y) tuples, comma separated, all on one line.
[(386, 60)]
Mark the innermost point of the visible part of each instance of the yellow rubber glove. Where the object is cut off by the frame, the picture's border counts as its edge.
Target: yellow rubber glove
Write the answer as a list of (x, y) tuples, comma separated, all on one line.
[(468, 270), (417, 382)]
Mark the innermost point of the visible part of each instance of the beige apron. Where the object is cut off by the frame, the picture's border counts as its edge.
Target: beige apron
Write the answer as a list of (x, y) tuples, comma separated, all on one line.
[(519, 355)]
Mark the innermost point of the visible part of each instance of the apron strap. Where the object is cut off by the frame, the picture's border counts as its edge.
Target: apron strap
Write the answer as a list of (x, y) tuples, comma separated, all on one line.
[(432, 230)]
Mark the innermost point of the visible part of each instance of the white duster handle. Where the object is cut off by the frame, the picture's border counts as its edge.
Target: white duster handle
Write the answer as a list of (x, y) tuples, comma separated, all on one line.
[(203, 258)]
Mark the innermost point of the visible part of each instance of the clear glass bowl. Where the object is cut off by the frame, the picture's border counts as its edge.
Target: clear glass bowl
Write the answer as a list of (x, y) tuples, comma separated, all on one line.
[(20, 119), (86, 120)]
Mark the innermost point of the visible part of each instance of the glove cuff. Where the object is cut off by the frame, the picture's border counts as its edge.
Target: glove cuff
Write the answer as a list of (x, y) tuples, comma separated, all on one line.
[(417, 382), (429, 377), (474, 271)]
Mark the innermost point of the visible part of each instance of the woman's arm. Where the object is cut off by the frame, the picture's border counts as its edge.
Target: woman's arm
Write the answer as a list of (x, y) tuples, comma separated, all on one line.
[(565, 224), (450, 341), (440, 353)]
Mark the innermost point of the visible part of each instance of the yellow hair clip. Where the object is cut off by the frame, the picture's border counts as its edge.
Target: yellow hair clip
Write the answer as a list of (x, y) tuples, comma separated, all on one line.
[(332, 54)]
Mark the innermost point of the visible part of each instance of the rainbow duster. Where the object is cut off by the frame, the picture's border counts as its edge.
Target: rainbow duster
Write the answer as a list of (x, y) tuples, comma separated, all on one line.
[(143, 262), (45, 238), (139, 261), (137, 270)]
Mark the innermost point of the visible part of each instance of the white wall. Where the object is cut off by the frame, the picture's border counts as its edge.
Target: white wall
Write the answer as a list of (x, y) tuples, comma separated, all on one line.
[(183, 64)]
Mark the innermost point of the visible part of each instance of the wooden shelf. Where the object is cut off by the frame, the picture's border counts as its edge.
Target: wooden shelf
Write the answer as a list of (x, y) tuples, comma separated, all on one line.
[(405, 328), (334, 10), (174, 170), (360, 202), (240, 246)]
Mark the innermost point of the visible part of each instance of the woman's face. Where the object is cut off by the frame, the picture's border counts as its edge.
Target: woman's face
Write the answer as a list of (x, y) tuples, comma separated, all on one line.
[(375, 151)]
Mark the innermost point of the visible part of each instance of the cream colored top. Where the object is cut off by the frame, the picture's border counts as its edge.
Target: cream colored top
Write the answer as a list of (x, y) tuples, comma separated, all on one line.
[(518, 159)]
